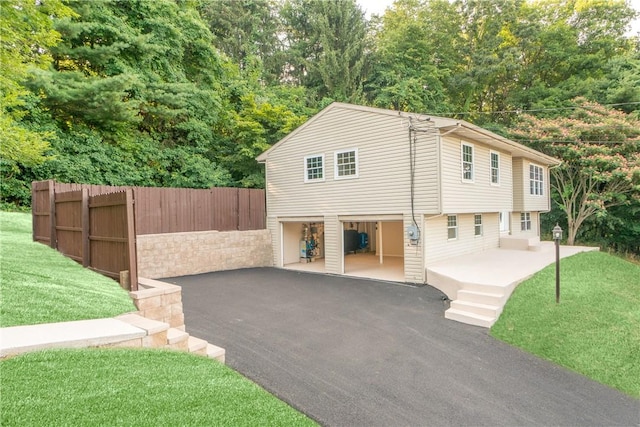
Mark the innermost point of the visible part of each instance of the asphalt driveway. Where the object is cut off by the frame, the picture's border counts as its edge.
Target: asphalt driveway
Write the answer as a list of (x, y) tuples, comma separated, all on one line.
[(355, 352)]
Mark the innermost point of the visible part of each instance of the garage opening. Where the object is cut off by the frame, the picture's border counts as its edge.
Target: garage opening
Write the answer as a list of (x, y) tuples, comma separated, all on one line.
[(303, 246), (374, 249)]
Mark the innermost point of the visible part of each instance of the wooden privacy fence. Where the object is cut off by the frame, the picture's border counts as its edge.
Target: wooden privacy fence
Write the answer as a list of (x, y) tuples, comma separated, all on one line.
[(97, 231), (96, 225)]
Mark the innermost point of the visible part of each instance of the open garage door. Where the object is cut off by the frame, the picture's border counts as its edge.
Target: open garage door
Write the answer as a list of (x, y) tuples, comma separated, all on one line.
[(303, 245), (374, 249)]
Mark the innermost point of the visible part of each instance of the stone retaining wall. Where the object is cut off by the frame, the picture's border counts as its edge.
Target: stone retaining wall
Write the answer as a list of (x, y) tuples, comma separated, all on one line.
[(159, 301), (180, 254)]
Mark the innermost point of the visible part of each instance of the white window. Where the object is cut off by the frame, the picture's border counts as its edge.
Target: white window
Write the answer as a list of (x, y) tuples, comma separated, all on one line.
[(525, 221), (346, 164), (536, 180), (477, 223), (467, 162), (314, 168), (495, 168), (452, 227)]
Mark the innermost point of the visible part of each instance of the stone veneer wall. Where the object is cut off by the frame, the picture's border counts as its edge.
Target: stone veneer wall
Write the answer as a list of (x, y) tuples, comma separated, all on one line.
[(180, 254)]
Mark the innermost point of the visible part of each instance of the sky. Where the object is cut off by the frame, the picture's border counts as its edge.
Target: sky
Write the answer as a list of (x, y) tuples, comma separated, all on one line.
[(378, 7)]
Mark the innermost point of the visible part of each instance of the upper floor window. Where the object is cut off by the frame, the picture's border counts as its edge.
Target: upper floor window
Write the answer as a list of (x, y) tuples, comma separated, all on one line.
[(536, 180), (346, 164), (525, 221), (452, 227), (477, 224), (467, 162), (495, 168), (314, 168)]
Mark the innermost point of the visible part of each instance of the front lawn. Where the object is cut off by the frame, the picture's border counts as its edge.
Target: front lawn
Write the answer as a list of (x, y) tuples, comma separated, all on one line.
[(40, 285), (595, 330), (96, 387)]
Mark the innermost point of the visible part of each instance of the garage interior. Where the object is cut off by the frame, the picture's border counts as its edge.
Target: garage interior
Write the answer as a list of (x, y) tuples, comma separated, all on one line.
[(371, 249)]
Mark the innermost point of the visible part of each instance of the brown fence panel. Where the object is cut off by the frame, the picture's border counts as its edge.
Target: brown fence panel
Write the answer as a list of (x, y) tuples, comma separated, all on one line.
[(258, 209), (42, 204), (68, 224), (224, 208), (112, 235)]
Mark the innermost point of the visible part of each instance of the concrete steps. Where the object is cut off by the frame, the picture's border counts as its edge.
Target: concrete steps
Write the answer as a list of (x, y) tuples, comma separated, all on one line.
[(477, 307), (486, 310), (469, 318)]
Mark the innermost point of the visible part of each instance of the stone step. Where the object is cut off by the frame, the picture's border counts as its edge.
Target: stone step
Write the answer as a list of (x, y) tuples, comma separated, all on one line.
[(215, 352), (197, 346), (476, 308), (177, 339), (469, 318), (481, 297)]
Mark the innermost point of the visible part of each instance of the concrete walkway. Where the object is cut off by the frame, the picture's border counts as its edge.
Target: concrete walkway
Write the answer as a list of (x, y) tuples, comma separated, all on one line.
[(354, 352)]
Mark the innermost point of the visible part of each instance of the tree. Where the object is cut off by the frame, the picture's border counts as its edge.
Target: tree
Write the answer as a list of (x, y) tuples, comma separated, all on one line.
[(326, 47), (600, 152), (247, 32), (413, 58), (26, 37)]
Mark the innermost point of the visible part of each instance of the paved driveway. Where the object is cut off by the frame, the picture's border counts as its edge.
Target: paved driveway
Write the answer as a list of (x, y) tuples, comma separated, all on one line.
[(354, 352)]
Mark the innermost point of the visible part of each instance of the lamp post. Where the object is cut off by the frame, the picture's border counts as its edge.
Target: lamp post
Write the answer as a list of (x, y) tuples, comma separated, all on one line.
[(557, 236)]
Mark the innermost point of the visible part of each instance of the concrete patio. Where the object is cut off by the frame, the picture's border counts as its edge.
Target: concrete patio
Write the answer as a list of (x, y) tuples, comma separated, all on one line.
[(480, 284)]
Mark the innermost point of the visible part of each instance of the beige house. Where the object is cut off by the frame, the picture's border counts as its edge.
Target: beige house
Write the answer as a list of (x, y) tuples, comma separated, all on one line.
[(411, 189)]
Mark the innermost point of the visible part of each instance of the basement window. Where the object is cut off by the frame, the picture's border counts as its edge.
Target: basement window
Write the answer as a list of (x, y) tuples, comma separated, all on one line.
[(452, 227), (477, 224), (314, 168), (525, 221)]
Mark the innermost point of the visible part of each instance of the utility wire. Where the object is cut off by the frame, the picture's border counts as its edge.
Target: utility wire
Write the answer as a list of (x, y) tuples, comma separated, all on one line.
[(536, 110)]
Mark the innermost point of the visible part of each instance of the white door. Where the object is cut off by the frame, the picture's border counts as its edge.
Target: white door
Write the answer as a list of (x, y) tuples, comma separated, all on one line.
[(504, 221)]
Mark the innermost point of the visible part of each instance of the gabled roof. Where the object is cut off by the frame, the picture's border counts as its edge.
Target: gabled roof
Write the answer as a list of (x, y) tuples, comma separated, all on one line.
[(443, 124)]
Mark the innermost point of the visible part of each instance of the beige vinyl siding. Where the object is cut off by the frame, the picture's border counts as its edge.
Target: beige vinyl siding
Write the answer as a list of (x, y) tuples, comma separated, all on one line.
[(383, 183), (481, 195), (333, 255), (274, 227), (438, 247), (523, 200), (413, 254)]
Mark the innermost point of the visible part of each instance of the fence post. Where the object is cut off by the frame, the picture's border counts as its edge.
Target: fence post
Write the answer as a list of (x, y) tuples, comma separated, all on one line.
[(34, 209), (131, 238), (52, 213), (86, 252)]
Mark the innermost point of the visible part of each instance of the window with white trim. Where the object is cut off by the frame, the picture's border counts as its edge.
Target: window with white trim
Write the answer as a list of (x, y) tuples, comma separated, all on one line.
[(525, 221), (346, 164), (452, 227), (467, 162), (495, 168), (477, 224), (536, 180), (314, 168)]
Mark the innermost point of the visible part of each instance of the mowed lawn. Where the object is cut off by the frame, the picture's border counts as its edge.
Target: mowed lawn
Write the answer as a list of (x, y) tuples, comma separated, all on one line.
[(594, 330), (92, 387), (40, 285), (104, 387)]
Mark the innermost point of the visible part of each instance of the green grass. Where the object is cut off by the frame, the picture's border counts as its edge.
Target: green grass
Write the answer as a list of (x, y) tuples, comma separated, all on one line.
[(595, 330), (40, 285), (134, 388)]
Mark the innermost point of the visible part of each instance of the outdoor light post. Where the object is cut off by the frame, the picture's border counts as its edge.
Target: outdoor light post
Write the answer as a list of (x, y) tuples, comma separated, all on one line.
[(557, 236)]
